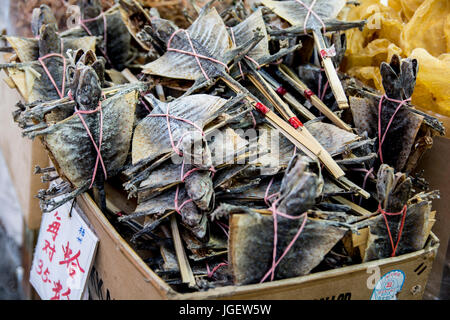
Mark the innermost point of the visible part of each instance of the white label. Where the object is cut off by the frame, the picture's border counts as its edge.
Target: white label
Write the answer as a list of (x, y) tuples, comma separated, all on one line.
[(63, 255), (389, 285)]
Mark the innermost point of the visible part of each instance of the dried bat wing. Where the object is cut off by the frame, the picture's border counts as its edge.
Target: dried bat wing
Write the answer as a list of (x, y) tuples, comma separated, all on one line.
[(244, 32), (209, 37), (295, 13), (194, 220), (71, 148), (330, 136), (27, 49), (151, 138), (251, 246), (418, 223)]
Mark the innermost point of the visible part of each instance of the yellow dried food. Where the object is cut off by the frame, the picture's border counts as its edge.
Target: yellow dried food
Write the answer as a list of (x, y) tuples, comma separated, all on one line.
[(403, 28), (428, 27), (432, 87)]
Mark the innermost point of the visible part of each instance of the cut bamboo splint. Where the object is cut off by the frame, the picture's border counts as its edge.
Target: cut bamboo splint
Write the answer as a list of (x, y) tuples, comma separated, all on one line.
[(335, 83), (290, 99), (303, 89), (302, 138), (186, 272)]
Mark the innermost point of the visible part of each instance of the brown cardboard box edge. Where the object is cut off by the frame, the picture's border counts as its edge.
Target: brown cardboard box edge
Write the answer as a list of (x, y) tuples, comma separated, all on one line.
[(119, 273)]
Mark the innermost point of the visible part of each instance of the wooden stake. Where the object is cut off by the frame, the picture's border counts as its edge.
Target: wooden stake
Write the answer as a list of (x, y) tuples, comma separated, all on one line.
[(302, 138), (186, 272), (335, 83), (303, 89)]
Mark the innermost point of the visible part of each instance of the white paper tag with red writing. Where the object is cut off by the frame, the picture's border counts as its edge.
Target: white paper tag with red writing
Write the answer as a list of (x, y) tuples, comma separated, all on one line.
[(63, 255)]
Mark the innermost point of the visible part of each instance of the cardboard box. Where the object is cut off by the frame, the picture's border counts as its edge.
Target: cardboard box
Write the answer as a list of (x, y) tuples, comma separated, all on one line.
[(119, 273), (435, 166)]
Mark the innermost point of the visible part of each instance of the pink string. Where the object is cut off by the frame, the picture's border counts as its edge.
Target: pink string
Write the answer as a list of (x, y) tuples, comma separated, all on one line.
[(193, 53), (214, 270), (380, 105), (63, 85), (78, 112), (275, 214), (97, 148), (310, 11), (168, 117), (223, 227), (176, 149), (105, 27)]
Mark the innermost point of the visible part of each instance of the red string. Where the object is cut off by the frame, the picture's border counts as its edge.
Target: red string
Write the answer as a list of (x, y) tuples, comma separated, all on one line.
[(262, 108), (105, 29), (275, 214), (193, 53), (295, 122), (310, 11), (308, 94), (380, 105), (385, 214)]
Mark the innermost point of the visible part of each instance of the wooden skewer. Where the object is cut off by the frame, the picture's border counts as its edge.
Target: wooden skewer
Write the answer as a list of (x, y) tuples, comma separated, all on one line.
[(302, 139), (186, 272), (290, 99), (303, 89), (335, 83)]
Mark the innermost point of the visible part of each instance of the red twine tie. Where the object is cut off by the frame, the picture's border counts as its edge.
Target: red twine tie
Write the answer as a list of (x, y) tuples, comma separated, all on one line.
[(295, 122), (262, 108), (193, 53), (380, 106), (385, 214), (277, 213), (308, 94), (281, 91)]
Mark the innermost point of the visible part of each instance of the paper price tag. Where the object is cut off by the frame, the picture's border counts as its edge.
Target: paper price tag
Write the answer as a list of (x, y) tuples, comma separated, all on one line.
[(63, 255)]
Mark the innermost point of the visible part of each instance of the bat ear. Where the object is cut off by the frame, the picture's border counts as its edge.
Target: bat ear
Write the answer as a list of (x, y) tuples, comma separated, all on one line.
[(410, 68), (71, 71), (89, 58), (391, 81), (395, 64), (78, 55)]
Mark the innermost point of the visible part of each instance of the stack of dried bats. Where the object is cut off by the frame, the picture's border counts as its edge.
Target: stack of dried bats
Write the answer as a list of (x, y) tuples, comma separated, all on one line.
[(203, 128)]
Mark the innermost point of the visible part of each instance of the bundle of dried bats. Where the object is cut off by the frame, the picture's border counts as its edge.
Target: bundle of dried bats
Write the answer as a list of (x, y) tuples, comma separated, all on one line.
[(240, 165)]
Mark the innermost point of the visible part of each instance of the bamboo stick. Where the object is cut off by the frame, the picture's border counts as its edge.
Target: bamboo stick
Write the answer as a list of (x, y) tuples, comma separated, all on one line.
[(302, 139), (335, 83), (290, 99), (303, 89), (186, 272)]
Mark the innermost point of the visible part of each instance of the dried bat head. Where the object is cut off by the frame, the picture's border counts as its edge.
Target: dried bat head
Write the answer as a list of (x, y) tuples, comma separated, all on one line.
[(49, 40), (299, 188), (42, 16), (295, 13), (90, 8), (84, 79), (399, 77)]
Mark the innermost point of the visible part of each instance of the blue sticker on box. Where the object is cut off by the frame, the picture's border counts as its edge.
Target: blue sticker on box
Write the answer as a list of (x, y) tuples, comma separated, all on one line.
[(389, 285)]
